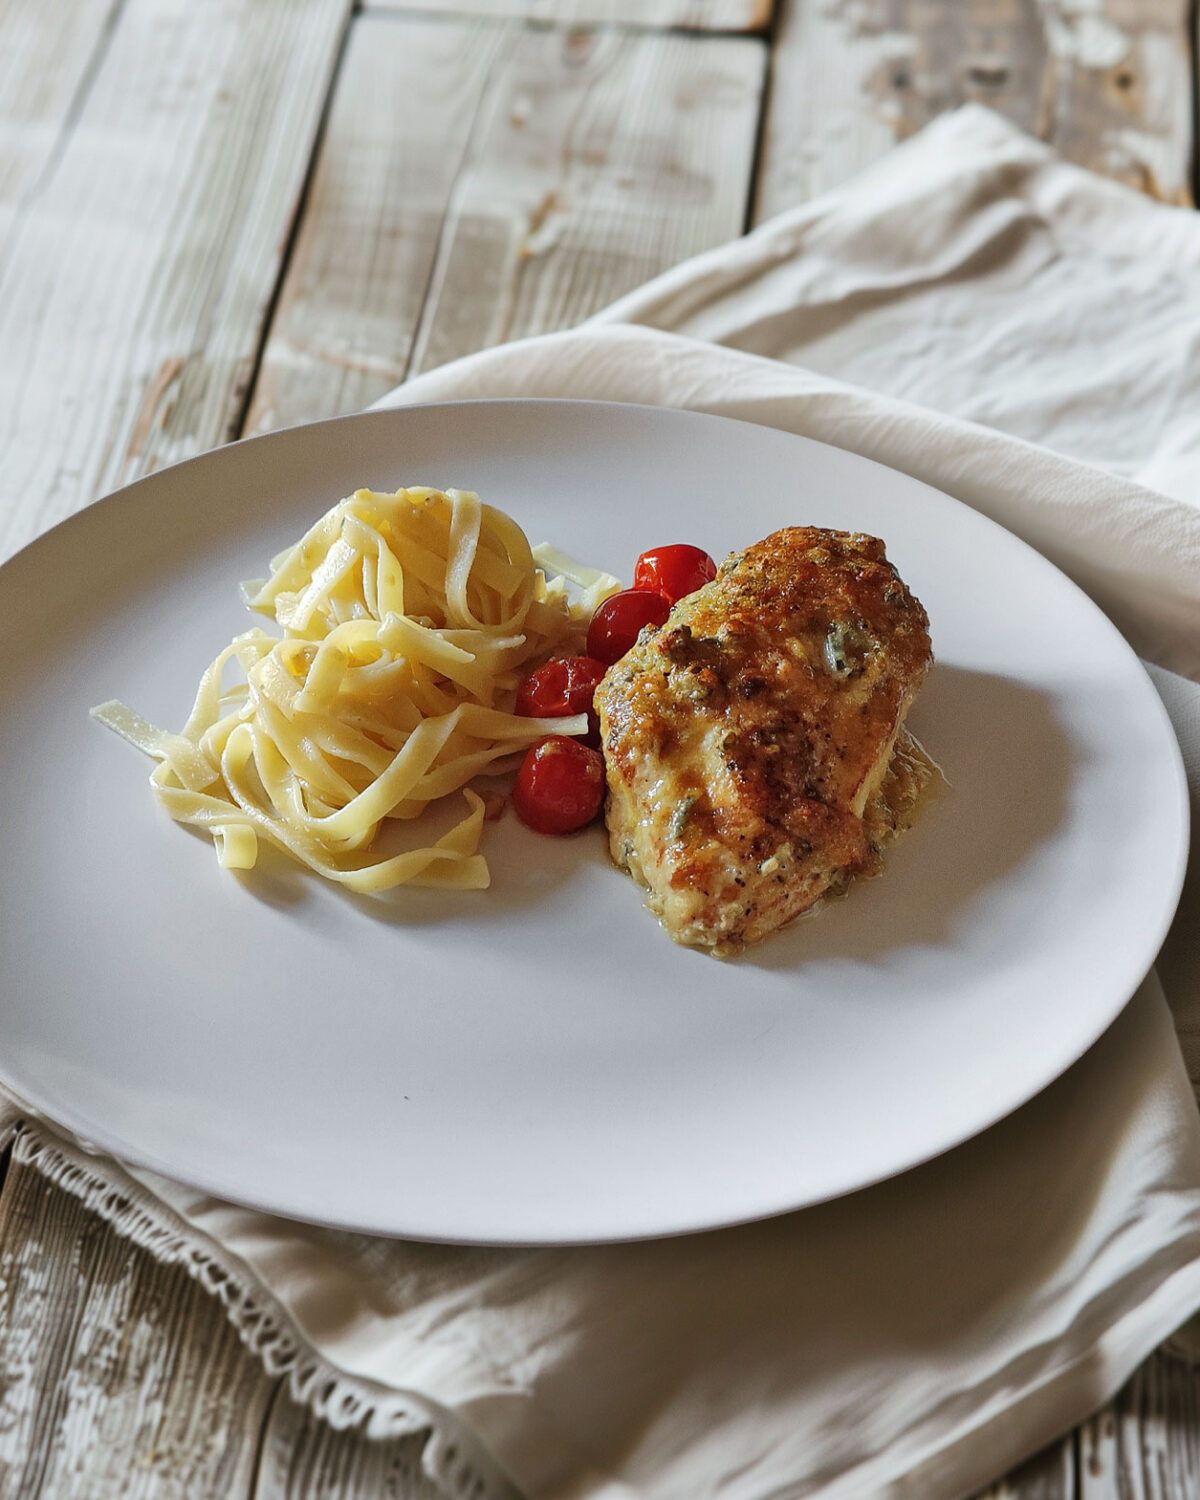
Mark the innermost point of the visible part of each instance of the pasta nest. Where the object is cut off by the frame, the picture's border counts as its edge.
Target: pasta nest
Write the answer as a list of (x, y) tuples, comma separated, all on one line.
[(408, 621)]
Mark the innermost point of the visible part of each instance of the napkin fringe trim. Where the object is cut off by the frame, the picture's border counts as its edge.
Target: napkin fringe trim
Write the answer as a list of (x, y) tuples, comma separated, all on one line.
[(451, 1456)]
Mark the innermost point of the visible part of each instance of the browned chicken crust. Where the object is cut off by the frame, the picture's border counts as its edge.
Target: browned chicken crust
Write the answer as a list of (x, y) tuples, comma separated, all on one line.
[(750, 740)]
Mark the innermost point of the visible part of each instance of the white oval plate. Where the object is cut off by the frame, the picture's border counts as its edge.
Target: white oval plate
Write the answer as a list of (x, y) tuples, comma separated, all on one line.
[(538, 1062)]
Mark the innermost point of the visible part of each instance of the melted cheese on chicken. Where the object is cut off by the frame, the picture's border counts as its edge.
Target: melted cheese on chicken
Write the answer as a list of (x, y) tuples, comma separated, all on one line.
[(753, 743)]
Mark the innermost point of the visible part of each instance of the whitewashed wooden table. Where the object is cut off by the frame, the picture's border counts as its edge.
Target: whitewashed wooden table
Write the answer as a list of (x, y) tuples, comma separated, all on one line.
[(223, 216)]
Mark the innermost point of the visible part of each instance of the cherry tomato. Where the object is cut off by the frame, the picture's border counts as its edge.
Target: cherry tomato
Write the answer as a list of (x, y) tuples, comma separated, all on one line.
[(674, 571), (561, 687), (560, 786), (617, 623)]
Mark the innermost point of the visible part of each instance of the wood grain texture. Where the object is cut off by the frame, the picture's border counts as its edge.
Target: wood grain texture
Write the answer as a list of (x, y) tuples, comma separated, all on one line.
[(1145, 1445), (533, 177), (407, 95), (697, 15), (598, 159), (118, 1378), (303, 1458), (1119, 92), (135, 284), (1108, 85), (45, 65)]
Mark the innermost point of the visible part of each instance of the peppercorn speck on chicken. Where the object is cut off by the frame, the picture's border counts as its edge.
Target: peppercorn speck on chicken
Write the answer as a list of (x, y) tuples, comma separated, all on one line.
[(754, 744)]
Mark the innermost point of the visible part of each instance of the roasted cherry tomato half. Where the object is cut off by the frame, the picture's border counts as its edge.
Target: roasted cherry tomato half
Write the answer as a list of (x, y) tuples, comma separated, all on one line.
[(618, 622), (674, 571), (560, 786), (560, 687)]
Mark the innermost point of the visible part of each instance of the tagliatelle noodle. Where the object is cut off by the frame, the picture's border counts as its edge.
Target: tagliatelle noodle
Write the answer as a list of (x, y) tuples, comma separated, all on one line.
[(408, 622)]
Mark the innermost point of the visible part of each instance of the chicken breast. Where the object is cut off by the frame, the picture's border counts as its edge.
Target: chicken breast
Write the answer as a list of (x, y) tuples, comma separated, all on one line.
[(753, 744)]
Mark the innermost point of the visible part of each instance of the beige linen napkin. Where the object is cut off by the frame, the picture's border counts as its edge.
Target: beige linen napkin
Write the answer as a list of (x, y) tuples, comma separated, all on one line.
[(922, 1336)]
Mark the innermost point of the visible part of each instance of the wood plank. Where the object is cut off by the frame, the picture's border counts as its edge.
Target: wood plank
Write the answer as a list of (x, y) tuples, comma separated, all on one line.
[(46, 58), (696, 15), (597, 160), (135, 285), (1146, 1443), (407, 94), (120, 1378), (589, 162), (303, 1458), (1107, 85), (849, 84), (1120, 96)]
